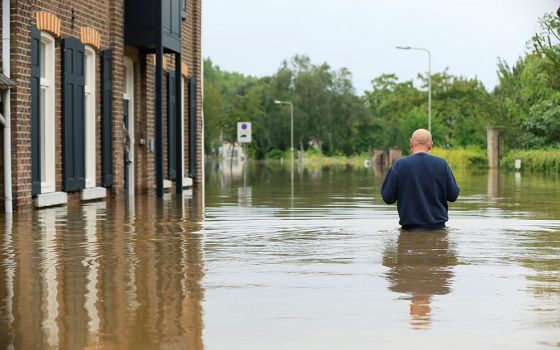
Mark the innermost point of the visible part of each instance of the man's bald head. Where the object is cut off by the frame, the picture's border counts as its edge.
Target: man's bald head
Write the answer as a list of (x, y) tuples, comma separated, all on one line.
[(421, 141)]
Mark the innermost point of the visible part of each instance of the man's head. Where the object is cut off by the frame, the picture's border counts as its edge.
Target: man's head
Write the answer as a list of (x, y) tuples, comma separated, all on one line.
[(421, 141)]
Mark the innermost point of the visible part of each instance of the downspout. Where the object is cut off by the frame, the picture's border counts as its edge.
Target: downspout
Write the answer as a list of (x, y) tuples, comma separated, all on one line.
[(6, 15), (203, 154)]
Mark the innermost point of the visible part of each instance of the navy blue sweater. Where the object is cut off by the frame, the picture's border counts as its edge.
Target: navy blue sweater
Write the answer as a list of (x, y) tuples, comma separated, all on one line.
[(421, 184)]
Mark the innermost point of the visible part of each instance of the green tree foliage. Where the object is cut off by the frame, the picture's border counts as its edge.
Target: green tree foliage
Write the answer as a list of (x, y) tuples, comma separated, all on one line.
[(221, 91), (528, 104), (527, 98), (329, 115), (460, 108)]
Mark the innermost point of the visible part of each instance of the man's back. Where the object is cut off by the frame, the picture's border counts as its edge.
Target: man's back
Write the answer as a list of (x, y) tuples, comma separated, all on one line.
[(421, 184)]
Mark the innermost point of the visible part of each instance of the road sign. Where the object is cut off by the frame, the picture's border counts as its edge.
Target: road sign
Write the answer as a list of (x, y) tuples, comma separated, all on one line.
[(244, 132)]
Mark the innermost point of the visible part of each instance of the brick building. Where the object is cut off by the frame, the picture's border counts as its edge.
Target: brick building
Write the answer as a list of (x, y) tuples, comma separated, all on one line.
[(107, 98)]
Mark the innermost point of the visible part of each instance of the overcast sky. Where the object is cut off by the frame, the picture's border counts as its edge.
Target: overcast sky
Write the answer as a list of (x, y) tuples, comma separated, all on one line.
[(468, 36)]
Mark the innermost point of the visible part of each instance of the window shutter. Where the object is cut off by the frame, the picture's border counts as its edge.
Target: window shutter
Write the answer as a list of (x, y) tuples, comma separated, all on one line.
[(192, 127), (171, 114), (35, 111), (73, 146), (107, 117)]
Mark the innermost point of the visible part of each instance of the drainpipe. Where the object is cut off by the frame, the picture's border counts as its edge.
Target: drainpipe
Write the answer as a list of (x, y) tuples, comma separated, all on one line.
[(202, 153), (6, 112)]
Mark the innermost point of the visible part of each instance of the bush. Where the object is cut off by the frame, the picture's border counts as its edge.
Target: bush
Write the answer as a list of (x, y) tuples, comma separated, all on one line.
[(277, 154), (541, 160), (472, 157)]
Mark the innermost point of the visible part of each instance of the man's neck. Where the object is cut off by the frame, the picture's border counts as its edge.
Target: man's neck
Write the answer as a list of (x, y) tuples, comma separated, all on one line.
[(420, 151)]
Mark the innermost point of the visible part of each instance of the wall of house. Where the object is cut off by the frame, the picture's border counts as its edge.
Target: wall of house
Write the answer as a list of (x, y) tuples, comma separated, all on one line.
[(106, 17)]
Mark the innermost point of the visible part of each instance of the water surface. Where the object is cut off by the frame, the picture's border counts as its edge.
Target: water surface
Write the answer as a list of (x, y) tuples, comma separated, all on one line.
[(268, 260)]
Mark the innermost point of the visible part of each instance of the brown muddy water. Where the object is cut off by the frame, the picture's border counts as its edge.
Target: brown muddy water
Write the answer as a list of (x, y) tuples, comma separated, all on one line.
[(268, 261)]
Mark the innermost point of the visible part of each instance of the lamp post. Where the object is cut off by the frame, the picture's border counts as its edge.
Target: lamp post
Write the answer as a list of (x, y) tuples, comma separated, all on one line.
[(291, 122), (429, 80)]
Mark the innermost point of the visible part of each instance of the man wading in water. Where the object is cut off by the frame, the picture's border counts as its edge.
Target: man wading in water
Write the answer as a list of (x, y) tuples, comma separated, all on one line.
[(421, 184)]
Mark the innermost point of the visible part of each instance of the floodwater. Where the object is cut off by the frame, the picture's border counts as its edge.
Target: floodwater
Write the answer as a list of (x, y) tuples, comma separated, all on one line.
[(272, 261)]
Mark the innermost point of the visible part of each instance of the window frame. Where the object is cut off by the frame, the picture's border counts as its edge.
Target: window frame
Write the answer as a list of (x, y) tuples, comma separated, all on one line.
[(128, 94), (47, 111), (90, 117), (183, 129), (183, 10)]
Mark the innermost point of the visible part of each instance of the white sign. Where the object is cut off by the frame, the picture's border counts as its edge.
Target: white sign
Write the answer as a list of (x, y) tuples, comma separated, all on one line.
[(244, 132)]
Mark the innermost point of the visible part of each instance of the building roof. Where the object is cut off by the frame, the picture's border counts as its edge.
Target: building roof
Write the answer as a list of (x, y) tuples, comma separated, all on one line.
[(6, 82)]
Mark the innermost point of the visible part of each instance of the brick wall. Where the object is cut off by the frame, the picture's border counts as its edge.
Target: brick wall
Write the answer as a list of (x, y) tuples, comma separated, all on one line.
[(106, 17)]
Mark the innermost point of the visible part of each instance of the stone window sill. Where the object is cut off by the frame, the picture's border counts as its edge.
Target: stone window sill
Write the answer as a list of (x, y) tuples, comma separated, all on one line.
[(51, 199), (89, 194)]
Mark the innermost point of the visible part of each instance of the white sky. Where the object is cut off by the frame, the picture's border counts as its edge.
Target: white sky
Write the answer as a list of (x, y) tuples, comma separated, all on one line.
[(468, 36)]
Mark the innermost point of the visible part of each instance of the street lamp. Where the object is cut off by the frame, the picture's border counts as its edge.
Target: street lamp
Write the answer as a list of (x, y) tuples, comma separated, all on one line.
[(292, 124), (429, 80)]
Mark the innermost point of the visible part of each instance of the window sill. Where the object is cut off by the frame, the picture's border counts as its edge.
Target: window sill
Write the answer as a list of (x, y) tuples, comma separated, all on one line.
[(168, 184), (187, 182), (89, 194), (51, 199)]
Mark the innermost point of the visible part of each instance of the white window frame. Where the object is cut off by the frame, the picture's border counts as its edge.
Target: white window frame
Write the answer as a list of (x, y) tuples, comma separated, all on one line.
[(47, 114), (90, 59), (129, 95), (183, 84)]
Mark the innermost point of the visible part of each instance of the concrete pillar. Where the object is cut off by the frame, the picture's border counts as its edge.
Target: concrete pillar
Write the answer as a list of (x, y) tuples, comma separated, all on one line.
[(394, 155), (495, 146)]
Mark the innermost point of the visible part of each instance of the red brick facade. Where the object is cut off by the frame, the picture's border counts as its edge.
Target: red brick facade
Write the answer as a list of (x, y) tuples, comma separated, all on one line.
[(106, 17)]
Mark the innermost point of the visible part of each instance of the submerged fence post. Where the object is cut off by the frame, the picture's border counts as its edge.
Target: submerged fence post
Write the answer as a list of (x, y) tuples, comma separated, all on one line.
[(379, 156), (495, 145), (394, 155)]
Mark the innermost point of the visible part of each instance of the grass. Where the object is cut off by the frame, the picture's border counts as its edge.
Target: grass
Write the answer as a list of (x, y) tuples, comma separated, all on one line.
[(470, 157), (536, 160), (316, 159)]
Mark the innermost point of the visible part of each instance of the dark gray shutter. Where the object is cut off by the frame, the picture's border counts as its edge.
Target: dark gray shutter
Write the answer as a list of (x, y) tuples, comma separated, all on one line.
[(192, 127), (171, 115), (73, 148), (107, 117), (35, 111)]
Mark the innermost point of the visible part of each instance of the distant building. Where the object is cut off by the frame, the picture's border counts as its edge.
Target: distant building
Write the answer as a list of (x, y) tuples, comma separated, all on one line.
[(235, 151), (88, 117)]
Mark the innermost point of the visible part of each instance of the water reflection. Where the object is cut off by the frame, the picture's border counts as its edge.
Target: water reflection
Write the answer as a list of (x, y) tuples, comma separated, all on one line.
[(94, 276), (322, 267), (421, 267), (494, 183)]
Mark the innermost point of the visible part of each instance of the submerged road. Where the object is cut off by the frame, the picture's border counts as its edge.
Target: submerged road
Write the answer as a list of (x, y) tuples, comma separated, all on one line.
[(262, 266)]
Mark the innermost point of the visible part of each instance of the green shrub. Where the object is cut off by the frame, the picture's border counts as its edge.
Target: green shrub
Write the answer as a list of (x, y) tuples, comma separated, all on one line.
[(471, 157), (277, 154), (539, 160)]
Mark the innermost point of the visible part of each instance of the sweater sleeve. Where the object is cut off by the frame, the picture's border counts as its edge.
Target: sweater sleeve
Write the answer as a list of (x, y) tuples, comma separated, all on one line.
[(451, 187), (389, 187)]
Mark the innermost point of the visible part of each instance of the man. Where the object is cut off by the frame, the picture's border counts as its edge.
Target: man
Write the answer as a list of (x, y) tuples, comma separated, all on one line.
[(421, 184)]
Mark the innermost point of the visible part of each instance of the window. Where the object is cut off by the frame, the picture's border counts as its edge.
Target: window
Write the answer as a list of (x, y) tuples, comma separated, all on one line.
[(128, 123), (90, 115), (47, 112)]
